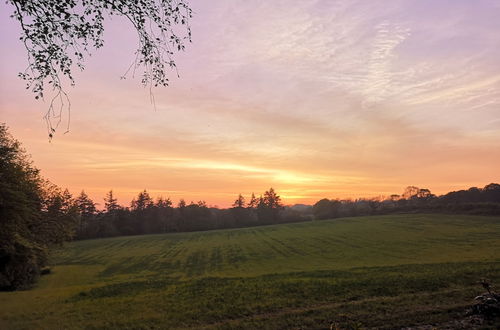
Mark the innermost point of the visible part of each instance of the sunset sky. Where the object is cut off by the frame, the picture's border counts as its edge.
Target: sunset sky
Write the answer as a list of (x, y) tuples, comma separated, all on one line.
[(317, 99)]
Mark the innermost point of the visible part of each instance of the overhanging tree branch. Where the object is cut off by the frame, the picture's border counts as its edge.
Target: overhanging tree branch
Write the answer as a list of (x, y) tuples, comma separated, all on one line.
[(58, 34)]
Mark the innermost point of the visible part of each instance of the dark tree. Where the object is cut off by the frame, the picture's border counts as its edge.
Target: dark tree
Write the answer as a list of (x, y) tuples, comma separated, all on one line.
[(59, 34), (253, 203), (269, 207), (163, 203), (240, 201), (241, 215), (410, 192), (165, 213), (110, 202), (59, 218), (326, 209), (34, 216), (182, 204), (196, 216), (87, 212), (21, 198), (85, 205), (272, 200), (142, 202)]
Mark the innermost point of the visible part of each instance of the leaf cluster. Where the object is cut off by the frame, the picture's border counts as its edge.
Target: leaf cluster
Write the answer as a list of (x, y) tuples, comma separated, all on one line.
[(35, 215), (59, 34)]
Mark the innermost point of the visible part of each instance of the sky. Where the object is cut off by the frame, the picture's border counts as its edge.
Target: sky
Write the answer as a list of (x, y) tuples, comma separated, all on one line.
[(335, 99)]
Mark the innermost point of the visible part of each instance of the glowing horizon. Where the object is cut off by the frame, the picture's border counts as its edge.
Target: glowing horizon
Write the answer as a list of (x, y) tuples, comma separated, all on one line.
[(335, 99)]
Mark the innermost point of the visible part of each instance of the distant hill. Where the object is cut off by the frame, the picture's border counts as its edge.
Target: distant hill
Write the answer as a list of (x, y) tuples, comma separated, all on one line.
[(300, 207)]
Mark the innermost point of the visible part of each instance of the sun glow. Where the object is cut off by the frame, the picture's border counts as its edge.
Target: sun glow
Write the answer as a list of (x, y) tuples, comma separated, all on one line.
[(328, 99)]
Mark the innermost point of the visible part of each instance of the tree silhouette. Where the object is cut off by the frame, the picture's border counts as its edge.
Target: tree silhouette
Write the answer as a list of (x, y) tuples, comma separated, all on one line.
[(253, 203), (142, 202), (85, 205), (239, 202), (326, 209), (34, 216), (110, 202), (272, 200), (87, 211), (269, 207), (165, 213), (410, 192)]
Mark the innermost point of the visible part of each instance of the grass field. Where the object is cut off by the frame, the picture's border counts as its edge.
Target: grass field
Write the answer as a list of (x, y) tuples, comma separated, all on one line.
[(384, 271)]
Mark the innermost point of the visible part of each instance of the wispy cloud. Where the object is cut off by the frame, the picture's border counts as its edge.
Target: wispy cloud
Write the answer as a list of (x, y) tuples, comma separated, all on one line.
[(318, 98), (380, 82)]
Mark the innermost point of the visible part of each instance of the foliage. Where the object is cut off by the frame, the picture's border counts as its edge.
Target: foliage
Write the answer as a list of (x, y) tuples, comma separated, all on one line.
[(269, 207), (86, 209), (21, 198), (59, 34), (143, 202), (35, 215), (239, 202), (252, 204), (326, 209), (147, 217), (485, 201), (110, 202), (365, 272)]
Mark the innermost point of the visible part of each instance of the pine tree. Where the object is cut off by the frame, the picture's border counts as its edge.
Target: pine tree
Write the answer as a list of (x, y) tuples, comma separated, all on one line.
[(239, 202), (254, 202), (86, 209), (142, 202), (110, 203)]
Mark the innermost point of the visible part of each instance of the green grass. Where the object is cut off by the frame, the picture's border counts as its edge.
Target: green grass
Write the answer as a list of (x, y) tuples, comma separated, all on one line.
[(384, 272)]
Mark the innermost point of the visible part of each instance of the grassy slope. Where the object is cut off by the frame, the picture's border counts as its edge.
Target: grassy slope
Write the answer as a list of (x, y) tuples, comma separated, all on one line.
[(384, 271)]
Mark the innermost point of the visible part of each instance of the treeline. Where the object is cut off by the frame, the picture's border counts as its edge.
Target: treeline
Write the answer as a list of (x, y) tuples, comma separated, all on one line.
[(148, 216), (479, 201), (36, 215)]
